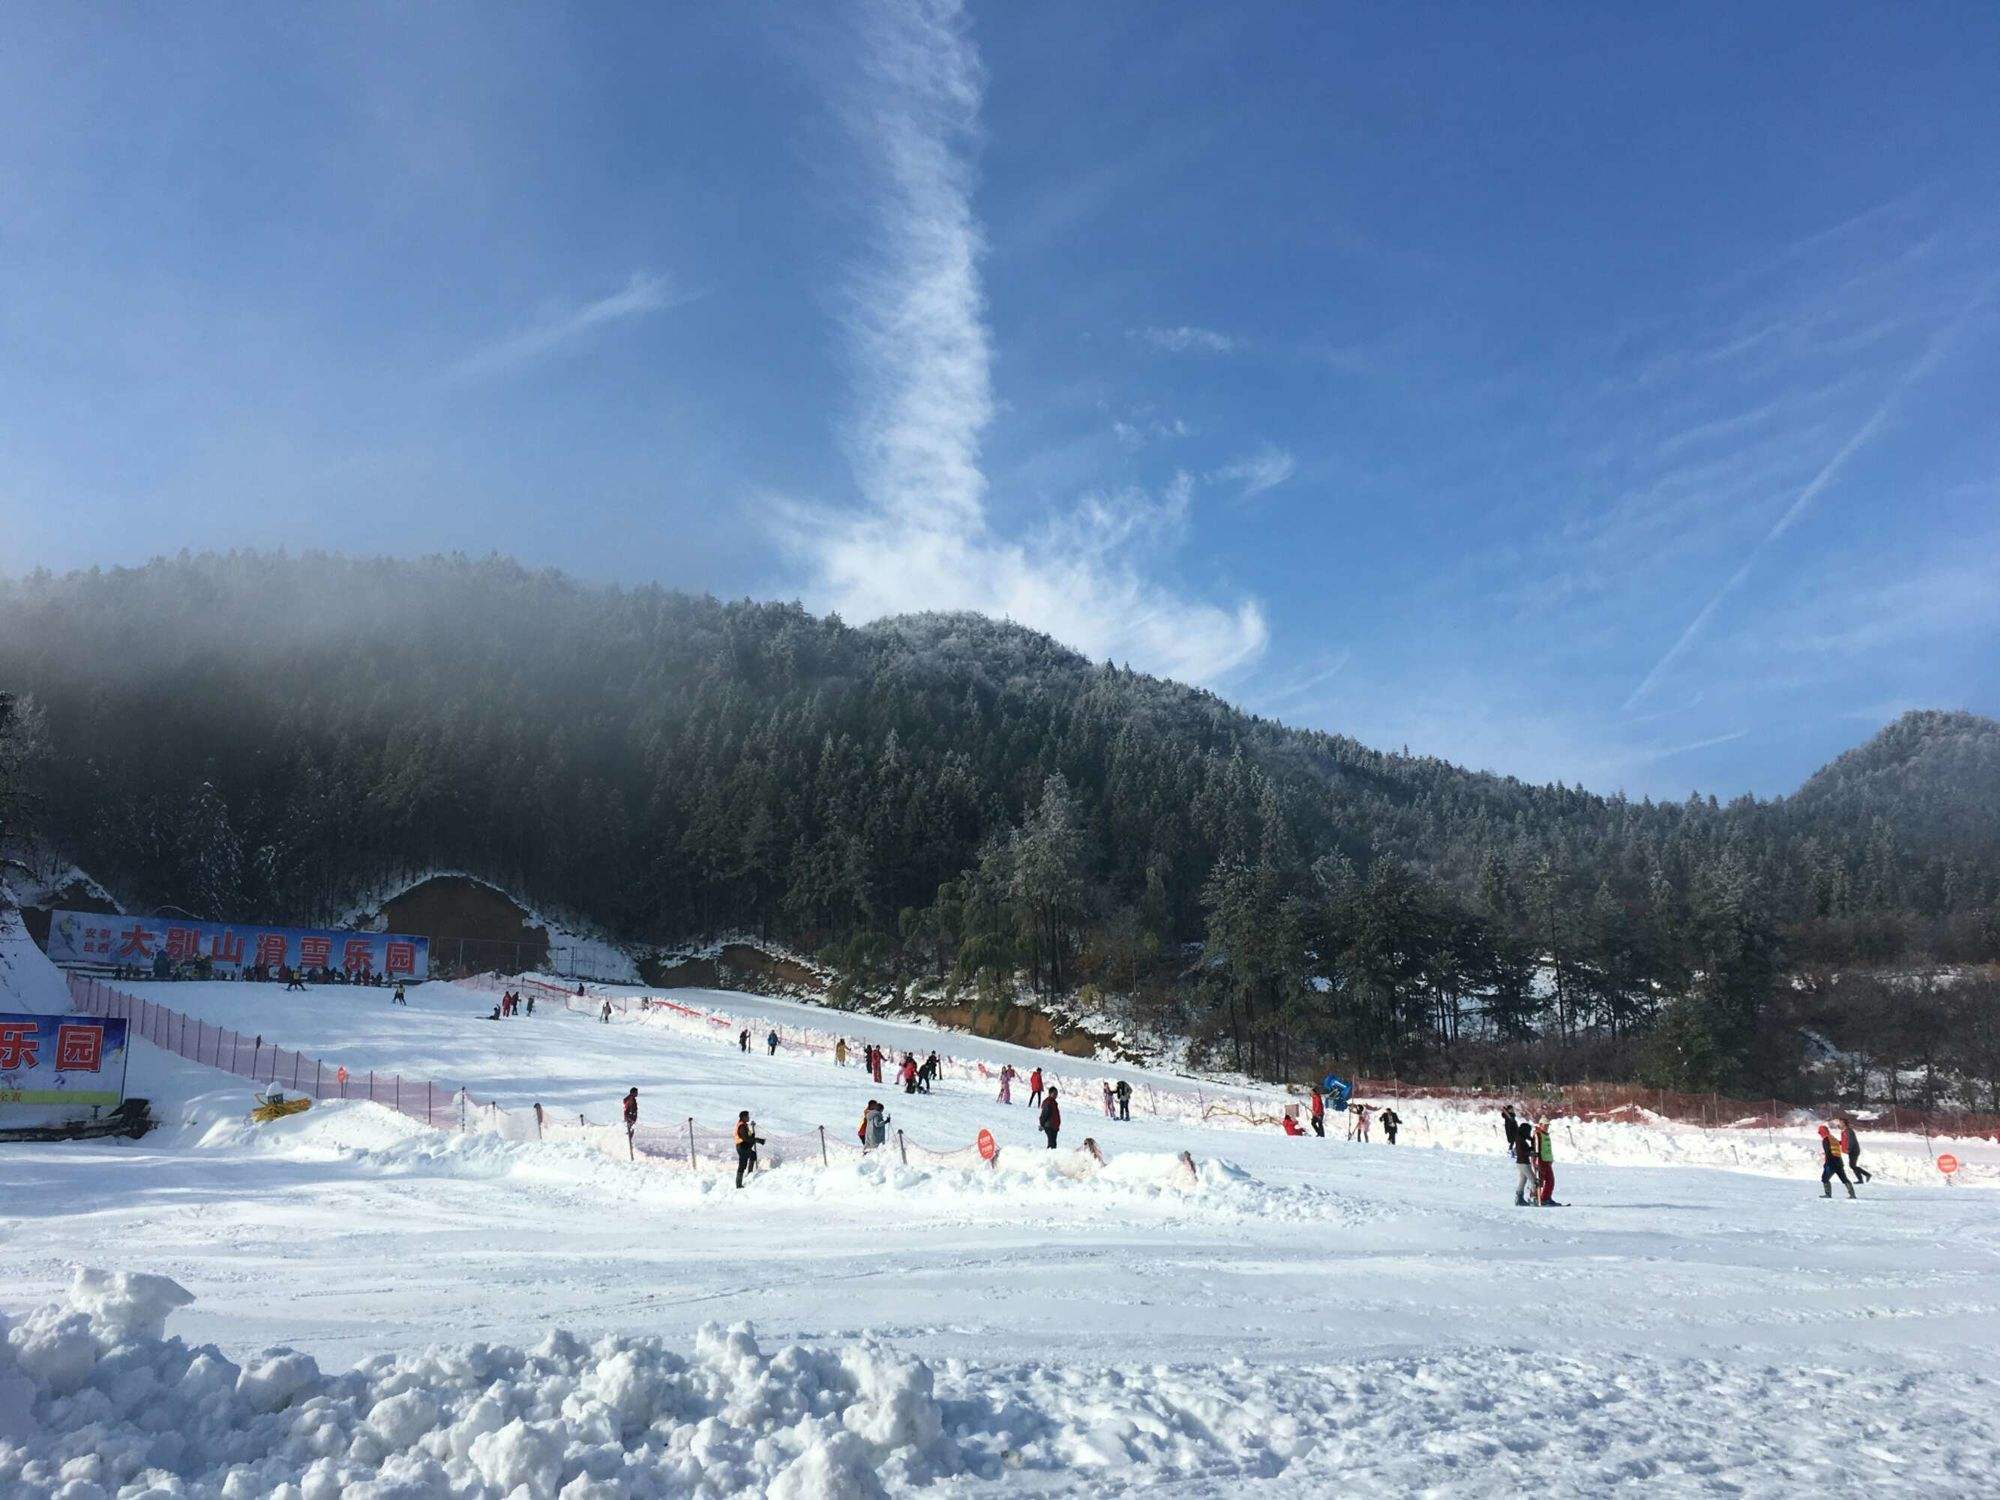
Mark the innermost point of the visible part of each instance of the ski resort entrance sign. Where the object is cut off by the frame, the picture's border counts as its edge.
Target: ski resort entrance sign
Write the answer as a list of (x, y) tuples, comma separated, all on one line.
[(146, 942), (76, 1060)]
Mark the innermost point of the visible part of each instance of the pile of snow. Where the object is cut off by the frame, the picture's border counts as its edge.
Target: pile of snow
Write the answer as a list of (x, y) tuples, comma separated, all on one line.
[(95, 1399), (28, 981)]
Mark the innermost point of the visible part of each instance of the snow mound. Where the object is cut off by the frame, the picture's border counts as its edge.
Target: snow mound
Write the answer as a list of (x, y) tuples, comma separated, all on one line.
[(29, 983), (94, 1399)]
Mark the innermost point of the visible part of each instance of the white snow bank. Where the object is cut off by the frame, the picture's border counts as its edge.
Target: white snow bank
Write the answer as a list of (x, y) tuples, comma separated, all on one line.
[(95, 1400), (28, 981)]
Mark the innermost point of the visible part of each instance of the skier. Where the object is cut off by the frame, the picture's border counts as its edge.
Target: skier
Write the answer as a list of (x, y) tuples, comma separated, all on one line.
[(1832, 1165), (605, 1017), (1545, 1164), (1007, 1084), (1035, 1086), (747, 1142), (840, 1053), (1124, 1093), (1051, 1116), (1319, 1114), (631, 1114), (1390, 1123), (294, 981), (771, 1042), (1110, 1104), (399, 998), (1521, 1146), (743, 1040), (1851, 1148)]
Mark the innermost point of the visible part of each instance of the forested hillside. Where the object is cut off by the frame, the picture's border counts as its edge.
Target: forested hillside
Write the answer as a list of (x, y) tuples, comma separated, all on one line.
[(946, 795)]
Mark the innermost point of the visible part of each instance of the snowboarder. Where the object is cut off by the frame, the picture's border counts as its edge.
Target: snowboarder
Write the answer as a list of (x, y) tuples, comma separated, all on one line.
[(747, 1142), (631, 1113), (771, 1042), (1521, 1146), (1391, 1122), (1124, 1093), (1035, 1086), (1832, 1165), (1319, 1114), (1851, 1149), (1545, 1164), (1007, 1084), (743, 1039), (840, 1053), (1051, 1116), (1110, 1104)]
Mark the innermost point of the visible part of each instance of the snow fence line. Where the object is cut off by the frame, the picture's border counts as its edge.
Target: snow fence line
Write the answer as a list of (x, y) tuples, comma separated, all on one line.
[(453, 1108)]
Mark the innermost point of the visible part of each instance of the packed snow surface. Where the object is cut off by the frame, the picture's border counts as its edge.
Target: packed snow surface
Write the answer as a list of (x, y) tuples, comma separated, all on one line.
[(379, 1308)]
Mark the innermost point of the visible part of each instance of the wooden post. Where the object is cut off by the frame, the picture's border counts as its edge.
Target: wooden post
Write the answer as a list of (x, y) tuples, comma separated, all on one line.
[(822, 1146), (901, 1149), (317, 1067), (691, 1156)]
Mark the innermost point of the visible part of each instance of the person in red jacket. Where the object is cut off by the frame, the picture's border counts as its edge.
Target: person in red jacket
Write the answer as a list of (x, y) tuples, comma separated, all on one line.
[(1051, 1115), (1035, 1086), (1319, 1114), (908, 1073), (1291, 1125)]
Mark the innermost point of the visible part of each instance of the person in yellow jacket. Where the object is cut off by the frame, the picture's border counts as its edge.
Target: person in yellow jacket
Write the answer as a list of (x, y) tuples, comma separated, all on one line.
[(747, 1142), (1832, 1164)]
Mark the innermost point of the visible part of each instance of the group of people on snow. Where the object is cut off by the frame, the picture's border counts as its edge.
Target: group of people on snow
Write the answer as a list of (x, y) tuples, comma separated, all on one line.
[(511, 1004), (1360, 1117), (1840, 1153), (1533, 1151)]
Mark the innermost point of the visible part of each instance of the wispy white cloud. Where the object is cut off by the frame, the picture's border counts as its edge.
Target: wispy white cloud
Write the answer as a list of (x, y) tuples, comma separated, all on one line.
[(1934, 350), (1186, 339), (1266, 469), (557, 332), (923, 537)]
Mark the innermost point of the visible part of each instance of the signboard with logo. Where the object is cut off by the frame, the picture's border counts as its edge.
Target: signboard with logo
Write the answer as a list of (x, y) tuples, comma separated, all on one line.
[(76, 1060), (146, 943)]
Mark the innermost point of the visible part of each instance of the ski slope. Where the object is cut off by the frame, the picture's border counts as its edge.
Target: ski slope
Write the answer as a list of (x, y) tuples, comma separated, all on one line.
[(1307, 1313)]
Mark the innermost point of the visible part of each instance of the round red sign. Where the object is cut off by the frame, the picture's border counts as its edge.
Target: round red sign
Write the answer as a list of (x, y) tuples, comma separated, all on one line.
[(1947, 1164), (988, 1148)]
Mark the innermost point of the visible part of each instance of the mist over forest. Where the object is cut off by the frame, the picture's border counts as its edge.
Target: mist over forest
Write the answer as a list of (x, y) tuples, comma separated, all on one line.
[(950, 800)]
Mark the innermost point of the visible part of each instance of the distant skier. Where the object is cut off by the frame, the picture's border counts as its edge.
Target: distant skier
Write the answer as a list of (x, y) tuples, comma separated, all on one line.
[(605, 1014), (631, 1113), (1851, 1149), (294, 980), (399, 998), (1035, 1086), (1051, 1116), (1110, 1103), (1319, 1114), (771, 1042), (1391, 1123), (747, 1142), (743, 1039), (1831, 1165), (1124, 1093), (1007, 1084), (1545, 1163), (840, 1052), (1522, 1148), (531, 1001)]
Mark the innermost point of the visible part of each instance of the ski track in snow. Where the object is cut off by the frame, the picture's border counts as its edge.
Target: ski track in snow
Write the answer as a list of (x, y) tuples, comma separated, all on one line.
[(1378, 1320)]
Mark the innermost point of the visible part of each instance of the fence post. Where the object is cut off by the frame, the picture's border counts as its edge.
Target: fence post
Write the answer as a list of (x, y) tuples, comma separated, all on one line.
[(428, 1119), (297, 1063), (371, 1085), (691, 1156), (901, 1149), (317, 1066), (822, 1146)]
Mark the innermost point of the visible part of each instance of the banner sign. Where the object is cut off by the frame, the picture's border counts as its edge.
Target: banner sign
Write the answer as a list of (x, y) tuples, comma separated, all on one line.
[(62, 1060), (149, 943)]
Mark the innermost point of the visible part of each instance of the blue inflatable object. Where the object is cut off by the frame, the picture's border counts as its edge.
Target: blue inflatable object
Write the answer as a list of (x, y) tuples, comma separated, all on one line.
[(1337, 1090)]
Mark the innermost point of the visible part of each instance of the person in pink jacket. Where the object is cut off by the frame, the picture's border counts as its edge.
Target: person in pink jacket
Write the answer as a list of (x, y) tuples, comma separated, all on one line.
[(1007, 1084)]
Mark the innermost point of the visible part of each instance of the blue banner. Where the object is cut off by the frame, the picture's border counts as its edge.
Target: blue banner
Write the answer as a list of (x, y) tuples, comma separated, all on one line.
[(161, 944), (62, 1060)]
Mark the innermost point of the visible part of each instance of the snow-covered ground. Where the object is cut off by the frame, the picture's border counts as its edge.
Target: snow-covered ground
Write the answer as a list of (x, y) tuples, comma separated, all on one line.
[(1307, 1314)]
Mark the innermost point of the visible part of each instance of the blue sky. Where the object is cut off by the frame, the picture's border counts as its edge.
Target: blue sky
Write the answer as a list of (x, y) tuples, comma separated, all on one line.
[(1595, 393)]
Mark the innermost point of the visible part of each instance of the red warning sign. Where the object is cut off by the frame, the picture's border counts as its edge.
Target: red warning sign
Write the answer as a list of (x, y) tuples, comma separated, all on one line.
[(1947, 1164), (988, 1147)]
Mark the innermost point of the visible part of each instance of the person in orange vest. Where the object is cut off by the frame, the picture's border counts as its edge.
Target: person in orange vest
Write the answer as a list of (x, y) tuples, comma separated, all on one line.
[(747, 1142), (1831, 1165)]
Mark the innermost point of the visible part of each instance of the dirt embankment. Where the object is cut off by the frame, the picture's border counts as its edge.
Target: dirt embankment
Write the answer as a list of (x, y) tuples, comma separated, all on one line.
[(1003, 1021), (738, 966)]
